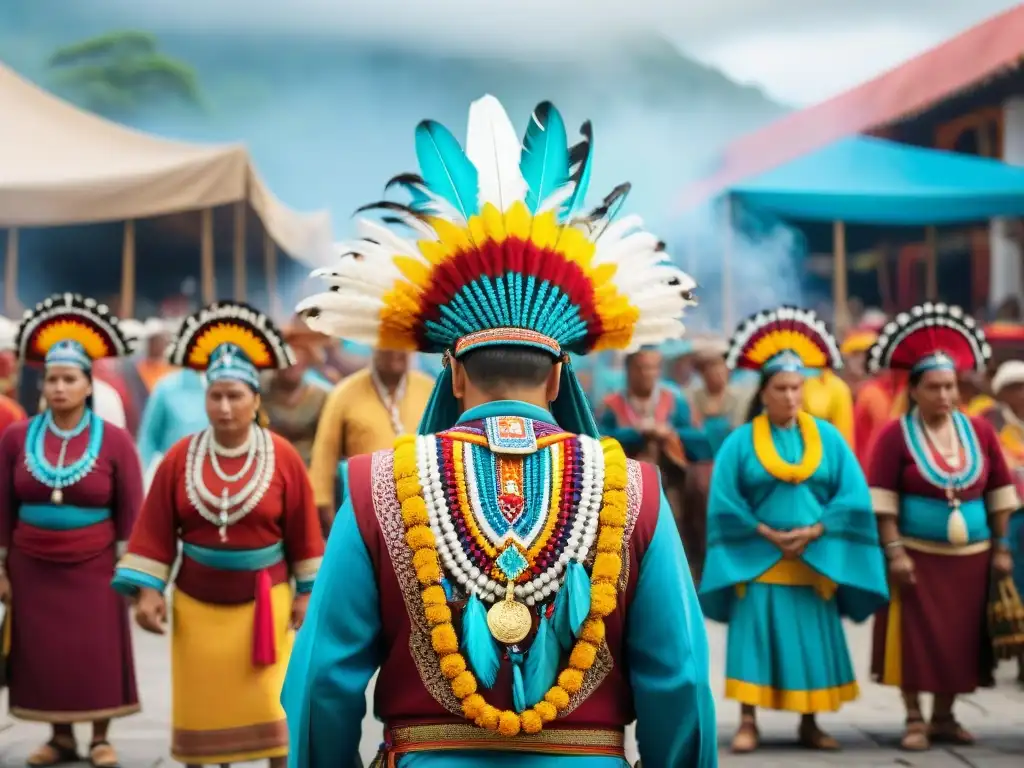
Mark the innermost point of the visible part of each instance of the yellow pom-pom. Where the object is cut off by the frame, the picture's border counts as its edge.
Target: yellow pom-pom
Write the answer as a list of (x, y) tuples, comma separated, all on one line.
[(592, 631), (434, 596), (464, 685), (615, 476), (582, 656), (429, 574), (414, 512), (405, 441), (508, 724), (571, 680), (532, 722), (437, 614), (443, 639), (557, 697), (603, 599), (452, 666), (408, 487), (546, 710), (423, 557), (489, 718), (420, 537), (607, 567), (610, 538), (473, 705)]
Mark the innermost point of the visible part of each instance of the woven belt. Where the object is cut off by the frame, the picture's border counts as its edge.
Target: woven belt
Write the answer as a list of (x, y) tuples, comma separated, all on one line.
[(463, 736)]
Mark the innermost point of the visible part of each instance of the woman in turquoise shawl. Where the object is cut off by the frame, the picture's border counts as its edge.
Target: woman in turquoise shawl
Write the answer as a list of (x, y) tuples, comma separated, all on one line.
[(792, 539)]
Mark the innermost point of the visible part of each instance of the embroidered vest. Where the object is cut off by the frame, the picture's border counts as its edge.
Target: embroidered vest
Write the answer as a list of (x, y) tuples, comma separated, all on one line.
[(411, 687)]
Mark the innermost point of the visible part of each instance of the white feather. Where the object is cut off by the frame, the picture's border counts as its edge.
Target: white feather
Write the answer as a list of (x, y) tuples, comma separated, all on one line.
[(492, 145), (620, 228), (399, 246), (556, 198)]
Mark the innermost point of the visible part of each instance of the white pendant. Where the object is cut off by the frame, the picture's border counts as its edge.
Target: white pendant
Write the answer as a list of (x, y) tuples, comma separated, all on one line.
[(223, 533), (57, 497), (956, 528)]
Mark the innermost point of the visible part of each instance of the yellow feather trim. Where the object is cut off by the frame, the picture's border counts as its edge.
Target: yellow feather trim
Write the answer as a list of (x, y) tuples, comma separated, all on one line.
[(226, 332)]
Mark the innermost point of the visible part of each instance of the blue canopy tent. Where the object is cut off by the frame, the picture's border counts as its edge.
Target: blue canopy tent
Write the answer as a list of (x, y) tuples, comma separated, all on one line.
[(865, 180)]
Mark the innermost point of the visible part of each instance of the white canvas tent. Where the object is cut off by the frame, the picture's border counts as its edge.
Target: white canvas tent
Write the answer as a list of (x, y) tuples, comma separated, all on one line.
[(60, 165)]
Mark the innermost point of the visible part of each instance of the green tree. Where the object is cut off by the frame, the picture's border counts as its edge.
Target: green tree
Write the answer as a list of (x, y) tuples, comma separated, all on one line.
[(119, 74)]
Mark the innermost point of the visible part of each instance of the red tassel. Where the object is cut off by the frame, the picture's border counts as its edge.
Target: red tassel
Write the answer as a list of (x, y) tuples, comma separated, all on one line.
[(264, 649)]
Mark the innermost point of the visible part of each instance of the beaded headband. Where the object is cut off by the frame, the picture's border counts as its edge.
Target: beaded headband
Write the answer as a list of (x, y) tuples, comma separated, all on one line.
[(229, 363), (75, 329)]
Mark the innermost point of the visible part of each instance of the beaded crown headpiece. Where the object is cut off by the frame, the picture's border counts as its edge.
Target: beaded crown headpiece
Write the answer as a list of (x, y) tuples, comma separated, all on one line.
[(230, 340), (783, 339), (503, 252), (931, 336), (69, 329)]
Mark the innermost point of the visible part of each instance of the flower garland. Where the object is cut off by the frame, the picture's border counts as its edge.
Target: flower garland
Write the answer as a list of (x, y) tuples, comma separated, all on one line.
[(603, 595), (775, 465)]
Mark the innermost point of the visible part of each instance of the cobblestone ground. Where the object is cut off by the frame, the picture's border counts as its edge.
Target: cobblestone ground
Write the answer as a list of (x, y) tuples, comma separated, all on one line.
[(868, 728)]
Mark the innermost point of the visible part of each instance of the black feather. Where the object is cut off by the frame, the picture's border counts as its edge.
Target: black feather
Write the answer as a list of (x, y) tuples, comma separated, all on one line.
[(404, 179), (578, 152), (388, 205)]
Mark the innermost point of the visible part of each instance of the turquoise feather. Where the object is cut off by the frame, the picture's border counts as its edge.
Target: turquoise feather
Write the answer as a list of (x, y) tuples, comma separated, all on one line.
[(478, 646), (577, 584), (445, 169), (518, 688), (544, 161), (580, 159), (542, 663), (560, 619)]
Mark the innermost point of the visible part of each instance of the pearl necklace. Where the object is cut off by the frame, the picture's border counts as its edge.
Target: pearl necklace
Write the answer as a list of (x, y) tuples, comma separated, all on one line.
[(455, 560), (390, 402), (231, 453), (200, 447)]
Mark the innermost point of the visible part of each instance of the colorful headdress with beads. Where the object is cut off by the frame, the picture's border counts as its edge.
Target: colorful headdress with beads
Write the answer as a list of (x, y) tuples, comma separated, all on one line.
[(783, 339), (931, 336), (230, 340), (68, 329), (502, 253)]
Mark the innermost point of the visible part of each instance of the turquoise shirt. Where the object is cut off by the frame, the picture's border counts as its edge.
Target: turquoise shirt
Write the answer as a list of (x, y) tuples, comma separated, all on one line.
[(176, 408), (743, 494), (338, 650), (695, 441)]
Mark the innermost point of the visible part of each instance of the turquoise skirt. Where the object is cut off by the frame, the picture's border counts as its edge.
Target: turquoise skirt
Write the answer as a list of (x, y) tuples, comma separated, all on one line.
[(1015, 533), (787, 650)]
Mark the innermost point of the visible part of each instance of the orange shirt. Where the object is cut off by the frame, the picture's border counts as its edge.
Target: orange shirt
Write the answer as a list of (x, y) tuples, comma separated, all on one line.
[(878, 402), (10, 412), (151, 371)]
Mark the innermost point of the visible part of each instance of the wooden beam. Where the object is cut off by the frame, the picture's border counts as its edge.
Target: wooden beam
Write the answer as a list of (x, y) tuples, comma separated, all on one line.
[(209, 278), (239, 250), (11, 305), (270, 276), (127, 308), (839, 291)]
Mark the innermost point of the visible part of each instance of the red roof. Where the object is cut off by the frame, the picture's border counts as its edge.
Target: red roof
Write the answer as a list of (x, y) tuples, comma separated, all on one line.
[(956, 65)]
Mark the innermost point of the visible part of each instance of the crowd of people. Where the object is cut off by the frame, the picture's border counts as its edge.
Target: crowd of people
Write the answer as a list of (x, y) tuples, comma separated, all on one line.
[(522, 542)]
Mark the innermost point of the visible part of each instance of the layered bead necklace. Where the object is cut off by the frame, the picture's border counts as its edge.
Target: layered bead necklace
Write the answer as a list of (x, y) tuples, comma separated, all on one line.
[(226, 508), (60, 476)]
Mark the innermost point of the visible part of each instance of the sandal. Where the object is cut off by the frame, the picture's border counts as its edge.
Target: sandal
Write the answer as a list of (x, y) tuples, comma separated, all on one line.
[(102, 755), (56, 751), (747, 738), (812, 737), (915, 736), (946, 730)]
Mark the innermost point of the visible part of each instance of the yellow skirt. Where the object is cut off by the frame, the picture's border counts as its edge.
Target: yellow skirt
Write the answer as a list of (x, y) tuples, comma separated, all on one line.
[(225, 710)]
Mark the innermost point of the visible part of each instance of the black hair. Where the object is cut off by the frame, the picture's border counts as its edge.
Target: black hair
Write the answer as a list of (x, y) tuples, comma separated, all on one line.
[(493, 369), (756, 407)]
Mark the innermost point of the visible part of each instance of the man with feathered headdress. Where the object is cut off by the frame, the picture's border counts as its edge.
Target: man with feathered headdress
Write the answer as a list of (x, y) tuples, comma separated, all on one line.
[(517, 581)]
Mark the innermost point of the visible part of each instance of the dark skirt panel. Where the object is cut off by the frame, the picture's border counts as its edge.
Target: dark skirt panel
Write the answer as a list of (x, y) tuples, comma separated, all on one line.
[(71, 653), (933, 636)]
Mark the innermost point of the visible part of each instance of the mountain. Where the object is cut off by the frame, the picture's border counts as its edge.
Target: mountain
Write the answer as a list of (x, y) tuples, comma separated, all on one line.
[(330, 119)]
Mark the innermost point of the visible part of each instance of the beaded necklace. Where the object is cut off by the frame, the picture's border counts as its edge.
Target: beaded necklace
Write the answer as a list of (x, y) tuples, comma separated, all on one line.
[(230, 507), (60, 476), (390, 401)]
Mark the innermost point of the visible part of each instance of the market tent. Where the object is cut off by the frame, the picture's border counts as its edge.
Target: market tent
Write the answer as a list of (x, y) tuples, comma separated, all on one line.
[(60, 165), (866, 180)]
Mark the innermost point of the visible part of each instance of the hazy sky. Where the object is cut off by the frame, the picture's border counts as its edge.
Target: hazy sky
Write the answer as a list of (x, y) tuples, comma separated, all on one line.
[(800, 51)]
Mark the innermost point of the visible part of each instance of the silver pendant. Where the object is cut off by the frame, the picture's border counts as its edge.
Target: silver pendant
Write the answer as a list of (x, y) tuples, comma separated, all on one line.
[(223, 533), (57, 497)]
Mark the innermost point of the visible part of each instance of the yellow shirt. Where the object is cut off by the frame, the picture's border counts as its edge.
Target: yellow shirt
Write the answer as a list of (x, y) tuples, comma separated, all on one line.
[(979, 405), (354, 421), (828, 397)]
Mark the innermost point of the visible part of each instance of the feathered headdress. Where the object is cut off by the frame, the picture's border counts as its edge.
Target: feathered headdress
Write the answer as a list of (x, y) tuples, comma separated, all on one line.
[(502, 252), (68, 329), (230, 340), (931, 336), (783, 339)]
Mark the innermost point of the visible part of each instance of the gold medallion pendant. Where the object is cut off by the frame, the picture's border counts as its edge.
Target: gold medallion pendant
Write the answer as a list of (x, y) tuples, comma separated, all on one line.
[(509, 622)]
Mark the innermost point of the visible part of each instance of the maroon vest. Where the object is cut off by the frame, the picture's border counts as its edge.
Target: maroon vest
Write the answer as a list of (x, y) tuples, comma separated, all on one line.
[(410, 688)]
